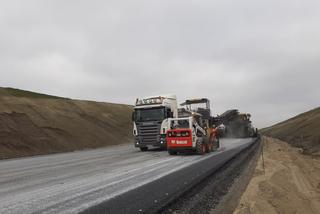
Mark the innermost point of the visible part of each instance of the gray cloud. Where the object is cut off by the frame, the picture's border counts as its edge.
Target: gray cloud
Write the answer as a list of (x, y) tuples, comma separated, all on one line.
[(258, 56)]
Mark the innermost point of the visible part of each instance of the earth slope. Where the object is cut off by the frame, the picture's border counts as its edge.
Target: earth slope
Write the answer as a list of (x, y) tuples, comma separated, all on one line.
[(34, 124), (301, 131)]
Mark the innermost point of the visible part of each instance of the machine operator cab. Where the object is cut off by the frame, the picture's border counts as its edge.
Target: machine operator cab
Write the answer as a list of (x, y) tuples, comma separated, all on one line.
[(201, 106)]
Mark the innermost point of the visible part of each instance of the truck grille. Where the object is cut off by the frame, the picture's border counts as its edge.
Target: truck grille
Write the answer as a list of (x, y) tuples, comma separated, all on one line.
[(149, 133)]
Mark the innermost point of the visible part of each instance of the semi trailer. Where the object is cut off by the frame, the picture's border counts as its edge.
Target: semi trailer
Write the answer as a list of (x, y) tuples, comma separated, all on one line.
[(150, 120)]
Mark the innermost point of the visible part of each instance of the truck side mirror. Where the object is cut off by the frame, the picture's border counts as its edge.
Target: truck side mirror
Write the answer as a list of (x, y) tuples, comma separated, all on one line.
[(132, 116)]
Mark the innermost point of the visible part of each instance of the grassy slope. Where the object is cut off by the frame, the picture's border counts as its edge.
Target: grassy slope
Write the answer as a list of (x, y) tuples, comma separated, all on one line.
[(32, 124), (302, 130)]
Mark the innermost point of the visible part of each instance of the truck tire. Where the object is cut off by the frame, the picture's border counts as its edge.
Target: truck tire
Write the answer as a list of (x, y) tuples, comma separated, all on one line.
[(143, 149), (200, 148), (172, 152)]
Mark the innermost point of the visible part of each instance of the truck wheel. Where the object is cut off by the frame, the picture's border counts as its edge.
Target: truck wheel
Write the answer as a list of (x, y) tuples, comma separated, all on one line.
[(200, 148), (172, 152), (143, 149)]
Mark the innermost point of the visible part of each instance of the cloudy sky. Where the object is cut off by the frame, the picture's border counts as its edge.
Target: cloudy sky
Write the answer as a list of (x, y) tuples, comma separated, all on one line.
[(261, 57)]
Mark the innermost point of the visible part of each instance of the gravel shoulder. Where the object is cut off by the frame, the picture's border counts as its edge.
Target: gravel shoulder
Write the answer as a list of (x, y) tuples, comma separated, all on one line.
[(289, 182)]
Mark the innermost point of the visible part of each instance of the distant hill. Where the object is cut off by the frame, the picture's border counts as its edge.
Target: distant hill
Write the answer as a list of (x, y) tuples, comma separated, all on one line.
[(33, 124), (301, 131)]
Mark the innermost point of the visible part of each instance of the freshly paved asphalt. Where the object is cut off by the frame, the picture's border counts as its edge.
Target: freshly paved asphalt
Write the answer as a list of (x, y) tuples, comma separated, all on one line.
[(103, 180)]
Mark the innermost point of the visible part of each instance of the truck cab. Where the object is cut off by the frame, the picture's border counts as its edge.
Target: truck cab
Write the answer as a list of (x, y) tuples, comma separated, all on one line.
[(150, 120)]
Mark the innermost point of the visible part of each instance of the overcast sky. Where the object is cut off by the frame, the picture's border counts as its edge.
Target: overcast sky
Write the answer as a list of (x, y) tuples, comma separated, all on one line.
[(261, 57)]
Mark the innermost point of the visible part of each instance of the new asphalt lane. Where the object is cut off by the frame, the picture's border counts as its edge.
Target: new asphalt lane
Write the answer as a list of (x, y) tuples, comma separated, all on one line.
[(102, 180)]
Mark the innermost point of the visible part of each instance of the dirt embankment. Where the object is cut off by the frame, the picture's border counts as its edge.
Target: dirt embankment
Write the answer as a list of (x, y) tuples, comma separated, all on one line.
[(288, 183), (33, 124), (301, 131)]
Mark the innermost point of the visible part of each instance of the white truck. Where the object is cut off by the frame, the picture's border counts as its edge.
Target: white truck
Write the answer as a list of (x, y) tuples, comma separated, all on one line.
[(150, 120)]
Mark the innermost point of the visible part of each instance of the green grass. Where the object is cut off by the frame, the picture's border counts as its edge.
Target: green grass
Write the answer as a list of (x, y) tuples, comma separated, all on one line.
[(29, 94)]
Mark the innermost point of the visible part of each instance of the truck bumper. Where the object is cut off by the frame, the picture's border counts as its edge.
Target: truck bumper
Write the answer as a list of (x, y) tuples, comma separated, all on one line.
[(160, 144)]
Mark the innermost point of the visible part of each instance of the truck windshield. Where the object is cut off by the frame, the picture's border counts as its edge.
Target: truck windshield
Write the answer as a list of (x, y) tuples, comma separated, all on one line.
[(157, 114)]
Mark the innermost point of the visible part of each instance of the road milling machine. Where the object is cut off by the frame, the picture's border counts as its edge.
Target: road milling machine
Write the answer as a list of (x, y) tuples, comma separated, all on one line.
[(236, 124)]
